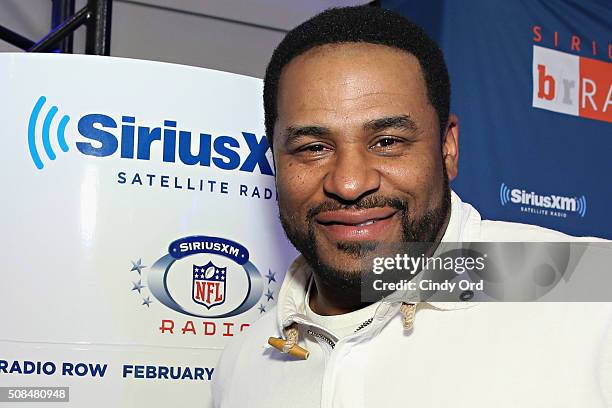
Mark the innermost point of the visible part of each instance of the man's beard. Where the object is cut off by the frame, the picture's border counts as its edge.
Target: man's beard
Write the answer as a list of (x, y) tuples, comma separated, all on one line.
[(425, 229)]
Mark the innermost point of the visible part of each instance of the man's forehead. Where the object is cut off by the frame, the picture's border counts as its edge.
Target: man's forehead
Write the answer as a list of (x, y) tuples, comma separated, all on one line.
[(350, 79), (372, 68)]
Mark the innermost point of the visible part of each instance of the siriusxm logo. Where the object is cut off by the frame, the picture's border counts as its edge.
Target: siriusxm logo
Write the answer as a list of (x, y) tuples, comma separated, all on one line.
[(104, 136), (549, 202)]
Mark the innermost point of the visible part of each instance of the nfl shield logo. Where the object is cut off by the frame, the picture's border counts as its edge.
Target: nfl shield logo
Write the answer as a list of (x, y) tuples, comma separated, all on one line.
[(208, 285)]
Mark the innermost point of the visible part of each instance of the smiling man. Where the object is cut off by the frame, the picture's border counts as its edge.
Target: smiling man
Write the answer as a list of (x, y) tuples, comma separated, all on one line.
[(357, 113), (362, 159)]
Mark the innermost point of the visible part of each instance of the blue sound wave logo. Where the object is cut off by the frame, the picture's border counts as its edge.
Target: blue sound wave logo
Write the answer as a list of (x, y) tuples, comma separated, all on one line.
[(581, 206), (504, 194), (519, 196), (46, 127)]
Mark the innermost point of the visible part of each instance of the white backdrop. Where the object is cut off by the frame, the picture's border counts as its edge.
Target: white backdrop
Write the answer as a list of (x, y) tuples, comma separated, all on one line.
[(145, 154)]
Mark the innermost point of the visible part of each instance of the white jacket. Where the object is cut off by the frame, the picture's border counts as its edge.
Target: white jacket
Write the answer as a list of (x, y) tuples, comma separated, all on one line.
[(457, 355)]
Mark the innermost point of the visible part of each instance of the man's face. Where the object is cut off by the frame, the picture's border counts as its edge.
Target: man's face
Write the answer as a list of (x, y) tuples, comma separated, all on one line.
[(358, 155)]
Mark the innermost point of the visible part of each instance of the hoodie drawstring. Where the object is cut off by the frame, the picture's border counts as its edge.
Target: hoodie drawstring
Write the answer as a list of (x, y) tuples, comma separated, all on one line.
[(290, 346), (408, 311)]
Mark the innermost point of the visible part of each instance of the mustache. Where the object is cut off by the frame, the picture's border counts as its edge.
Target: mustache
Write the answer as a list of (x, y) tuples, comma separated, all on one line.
[(365, 203)]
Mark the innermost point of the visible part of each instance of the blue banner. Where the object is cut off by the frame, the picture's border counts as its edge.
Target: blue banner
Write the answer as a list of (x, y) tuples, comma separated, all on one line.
[(532, 86)]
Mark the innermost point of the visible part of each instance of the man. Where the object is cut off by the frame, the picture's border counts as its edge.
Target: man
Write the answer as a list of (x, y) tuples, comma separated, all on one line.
[(357, 113)]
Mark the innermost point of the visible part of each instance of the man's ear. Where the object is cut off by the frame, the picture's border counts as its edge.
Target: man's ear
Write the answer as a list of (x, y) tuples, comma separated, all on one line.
[(450, 147)]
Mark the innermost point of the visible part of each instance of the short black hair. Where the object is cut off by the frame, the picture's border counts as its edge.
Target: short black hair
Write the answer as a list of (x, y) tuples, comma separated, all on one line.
[(366, 24)]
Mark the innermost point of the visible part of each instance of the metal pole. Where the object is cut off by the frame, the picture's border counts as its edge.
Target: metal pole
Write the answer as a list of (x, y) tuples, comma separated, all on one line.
[(99, 27), (61, 31), (15, 39), (62, 10)]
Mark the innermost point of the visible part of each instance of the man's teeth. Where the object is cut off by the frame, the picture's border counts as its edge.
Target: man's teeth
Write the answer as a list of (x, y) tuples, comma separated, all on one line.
[(368, 222)]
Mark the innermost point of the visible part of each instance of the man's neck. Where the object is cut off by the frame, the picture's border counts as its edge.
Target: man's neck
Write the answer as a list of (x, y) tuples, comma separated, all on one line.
[(327, 301)]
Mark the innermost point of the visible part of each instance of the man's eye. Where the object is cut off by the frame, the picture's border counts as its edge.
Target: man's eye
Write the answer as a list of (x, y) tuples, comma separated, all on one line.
[(315, 148), (386, 142)]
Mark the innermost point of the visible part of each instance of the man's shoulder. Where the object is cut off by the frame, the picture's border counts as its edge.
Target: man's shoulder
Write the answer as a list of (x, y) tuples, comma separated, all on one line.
[(242, 352)]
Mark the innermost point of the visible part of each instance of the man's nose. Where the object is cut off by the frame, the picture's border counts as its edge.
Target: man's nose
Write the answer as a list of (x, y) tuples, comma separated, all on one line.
[(351, 175)]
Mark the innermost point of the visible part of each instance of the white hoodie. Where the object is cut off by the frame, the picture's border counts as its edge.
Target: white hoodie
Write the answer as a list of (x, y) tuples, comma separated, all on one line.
[(457, 355)]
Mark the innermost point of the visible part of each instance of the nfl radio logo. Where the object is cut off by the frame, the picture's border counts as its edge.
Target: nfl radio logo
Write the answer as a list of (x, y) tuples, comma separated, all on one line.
[(209, 284)]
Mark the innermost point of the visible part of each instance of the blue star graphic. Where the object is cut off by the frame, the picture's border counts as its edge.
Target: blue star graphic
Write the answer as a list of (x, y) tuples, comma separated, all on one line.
[(138, 286), (137, 266), (269, 295), (146, 301), (270, 276), (261, 308)]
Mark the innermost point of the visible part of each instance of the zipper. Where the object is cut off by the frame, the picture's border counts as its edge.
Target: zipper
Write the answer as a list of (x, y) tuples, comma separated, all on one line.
[(364, 324), (322, 337), (329, 341)]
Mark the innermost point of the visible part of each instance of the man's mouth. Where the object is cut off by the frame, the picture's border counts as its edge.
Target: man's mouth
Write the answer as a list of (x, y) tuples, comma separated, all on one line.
[(367, 224)]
